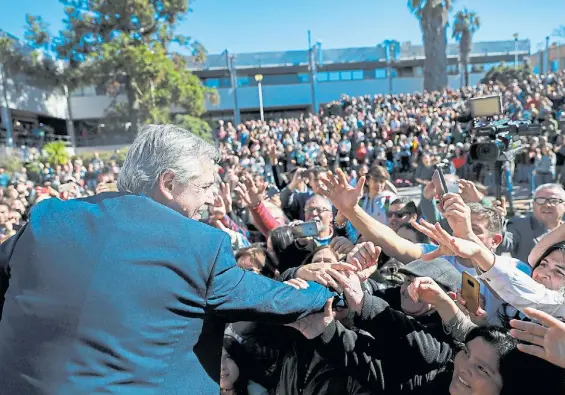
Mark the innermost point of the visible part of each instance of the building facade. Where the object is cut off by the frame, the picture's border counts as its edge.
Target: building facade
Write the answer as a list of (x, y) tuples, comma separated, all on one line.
[(287, 88)]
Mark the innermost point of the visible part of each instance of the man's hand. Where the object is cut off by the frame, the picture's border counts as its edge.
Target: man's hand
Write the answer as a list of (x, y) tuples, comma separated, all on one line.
[(546, 342), (314, 325), (343, 196), (448, 245), (256, 193), (500, 207), (364, 255), (273, 154), (469, 192), (297, 283), (458, 215), (318, 272), (478, 317), (296, 178), (218, 210), (349, 282), (429, 191), (342, 245)]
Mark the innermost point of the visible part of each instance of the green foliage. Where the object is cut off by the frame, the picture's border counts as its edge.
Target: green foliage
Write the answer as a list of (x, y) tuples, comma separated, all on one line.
[(505, 74), (126, 47), (11, 163), (57, 153), (465, 25), (107, 156), (196, 126)]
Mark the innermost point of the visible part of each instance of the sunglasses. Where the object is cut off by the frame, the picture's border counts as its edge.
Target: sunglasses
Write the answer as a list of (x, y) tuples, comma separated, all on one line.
[(548, 201), (397, 214)]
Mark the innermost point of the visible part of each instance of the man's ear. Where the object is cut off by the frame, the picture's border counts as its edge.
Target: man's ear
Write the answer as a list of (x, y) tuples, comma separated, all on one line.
[(496, 239), (452, 295), (165, 184)]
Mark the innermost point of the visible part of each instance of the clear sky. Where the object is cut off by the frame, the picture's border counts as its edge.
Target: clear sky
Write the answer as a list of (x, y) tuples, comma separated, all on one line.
[(271, 25)]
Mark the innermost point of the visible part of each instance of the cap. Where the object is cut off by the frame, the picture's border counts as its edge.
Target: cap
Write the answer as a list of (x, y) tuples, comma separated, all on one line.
[(440, 270)]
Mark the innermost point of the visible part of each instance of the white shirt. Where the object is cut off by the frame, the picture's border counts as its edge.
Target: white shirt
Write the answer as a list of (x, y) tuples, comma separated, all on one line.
[(520, 290)]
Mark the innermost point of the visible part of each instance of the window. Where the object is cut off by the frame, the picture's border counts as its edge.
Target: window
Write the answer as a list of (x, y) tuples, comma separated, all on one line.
[(243, 81), (304, 77), (418, 72), (357, 75), (334, 76), (380, 73), (394, 72), (489, 66), (452, 69), (555, 65), (345, 75), (322, 77), (212, 82)]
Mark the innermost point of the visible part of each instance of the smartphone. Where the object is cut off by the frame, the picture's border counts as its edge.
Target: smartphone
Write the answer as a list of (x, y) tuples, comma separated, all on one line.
[(306, 229), (68, 187), (471, 292), (112, 187), (439, 181)]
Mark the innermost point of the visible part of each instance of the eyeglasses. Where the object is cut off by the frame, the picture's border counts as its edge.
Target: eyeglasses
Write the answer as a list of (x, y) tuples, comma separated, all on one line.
[(319, 210), (396, 214), (548, 201)]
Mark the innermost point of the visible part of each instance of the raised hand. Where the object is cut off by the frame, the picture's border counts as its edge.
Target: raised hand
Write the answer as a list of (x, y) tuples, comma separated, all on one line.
[(343, 196), (425, 289), (219, 209), (500, 206), (458, 215), (364, 255), (318, 272), (469, 192), (342, 245), (225, 193), (256, 193), (448, 245), (547, 341), (314, 325)]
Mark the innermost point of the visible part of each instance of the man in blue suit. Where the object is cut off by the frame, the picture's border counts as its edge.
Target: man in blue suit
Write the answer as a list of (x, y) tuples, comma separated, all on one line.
[(127, 293)]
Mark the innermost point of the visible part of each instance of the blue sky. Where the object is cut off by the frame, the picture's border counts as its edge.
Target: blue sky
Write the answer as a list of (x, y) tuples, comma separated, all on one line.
[(270, 25)]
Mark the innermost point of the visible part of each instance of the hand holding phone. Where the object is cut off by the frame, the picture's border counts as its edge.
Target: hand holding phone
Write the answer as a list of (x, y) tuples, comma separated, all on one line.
[(306, 229), (471, 292)]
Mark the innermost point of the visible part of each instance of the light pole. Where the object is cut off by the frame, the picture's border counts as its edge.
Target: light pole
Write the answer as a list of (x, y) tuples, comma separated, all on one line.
[(259, 79), (233, 80), (515, 35), (547, 54)]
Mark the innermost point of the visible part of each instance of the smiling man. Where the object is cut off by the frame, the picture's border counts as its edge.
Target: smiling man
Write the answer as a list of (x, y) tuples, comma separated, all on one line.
[(125, 292), (523, 233)]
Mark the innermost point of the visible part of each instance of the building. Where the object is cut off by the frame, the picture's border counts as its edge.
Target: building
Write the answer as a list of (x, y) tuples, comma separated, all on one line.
[(286, 83), (552, 58)]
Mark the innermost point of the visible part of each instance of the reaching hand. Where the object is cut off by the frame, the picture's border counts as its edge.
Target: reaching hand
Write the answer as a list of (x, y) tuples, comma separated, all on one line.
[(225, 193), (219, 209), (256, 193), (448, 245), (243, 193), (349, 282), (500, 207), (425, 289), (343, 196), (364, 255), (342, 245), (315, 324), (478, 317), (318, 272), (297, 283), (546, 342), (469, 192), (458, 215), (429, 191), (273, 154)]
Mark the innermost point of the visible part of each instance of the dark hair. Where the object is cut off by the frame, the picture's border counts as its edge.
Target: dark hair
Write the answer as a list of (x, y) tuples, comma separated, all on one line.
[(518, 369), (557, 246), (237, 353), (318, 249), (422, 238), (378, 173), (263, 259)]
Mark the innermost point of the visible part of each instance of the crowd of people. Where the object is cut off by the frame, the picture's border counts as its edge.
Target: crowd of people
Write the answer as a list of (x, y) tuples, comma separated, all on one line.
[(316, 200)]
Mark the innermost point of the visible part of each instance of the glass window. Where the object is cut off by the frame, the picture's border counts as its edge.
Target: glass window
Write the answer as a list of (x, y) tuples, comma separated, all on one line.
[(380, 73), (357, 75), (555, 65), (212, 82), (304, 77), (243, 81), (345, 75), (334, 76), (418, 71), (225, 83), (322, 77)]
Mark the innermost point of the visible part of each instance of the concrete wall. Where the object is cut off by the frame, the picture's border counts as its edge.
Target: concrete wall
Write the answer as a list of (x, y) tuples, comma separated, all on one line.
[(45, 101), (280, 96)]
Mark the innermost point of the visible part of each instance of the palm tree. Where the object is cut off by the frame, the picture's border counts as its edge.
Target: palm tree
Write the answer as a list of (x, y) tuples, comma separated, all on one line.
[(57, 153), (432, 15), (465, 25)]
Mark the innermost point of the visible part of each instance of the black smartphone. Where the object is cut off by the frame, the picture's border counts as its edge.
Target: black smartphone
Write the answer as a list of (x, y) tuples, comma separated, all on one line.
[(439, 181), (306, 229)]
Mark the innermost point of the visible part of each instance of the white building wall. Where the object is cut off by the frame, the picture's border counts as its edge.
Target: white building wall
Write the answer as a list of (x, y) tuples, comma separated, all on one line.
[(45, 101)]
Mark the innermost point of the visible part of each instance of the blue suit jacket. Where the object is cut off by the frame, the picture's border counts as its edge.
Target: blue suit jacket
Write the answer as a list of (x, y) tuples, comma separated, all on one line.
[(119, 294)]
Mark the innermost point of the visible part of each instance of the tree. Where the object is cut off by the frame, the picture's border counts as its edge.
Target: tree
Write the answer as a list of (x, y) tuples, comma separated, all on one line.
[(465, 25), (127, 48), (57, 153), (505, 75), (195, 125), (432, 15)]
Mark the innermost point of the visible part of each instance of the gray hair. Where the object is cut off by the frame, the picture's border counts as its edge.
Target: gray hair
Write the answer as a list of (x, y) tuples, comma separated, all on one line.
[(558, 187), (158, 148)]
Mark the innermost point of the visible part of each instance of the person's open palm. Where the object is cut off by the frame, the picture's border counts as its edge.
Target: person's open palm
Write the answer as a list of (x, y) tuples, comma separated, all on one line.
[(448, 245), (343, 196), (547, 341), (314, 325)]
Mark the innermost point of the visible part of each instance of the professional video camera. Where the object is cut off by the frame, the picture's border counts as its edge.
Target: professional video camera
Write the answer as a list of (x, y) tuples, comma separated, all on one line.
[(501, 138)]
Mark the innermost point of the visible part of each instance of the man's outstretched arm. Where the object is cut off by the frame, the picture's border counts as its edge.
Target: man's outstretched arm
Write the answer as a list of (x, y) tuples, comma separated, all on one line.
[(240, 295)]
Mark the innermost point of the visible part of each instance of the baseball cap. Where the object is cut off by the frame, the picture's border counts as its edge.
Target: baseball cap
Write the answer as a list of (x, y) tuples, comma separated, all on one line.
[(440, 270)]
